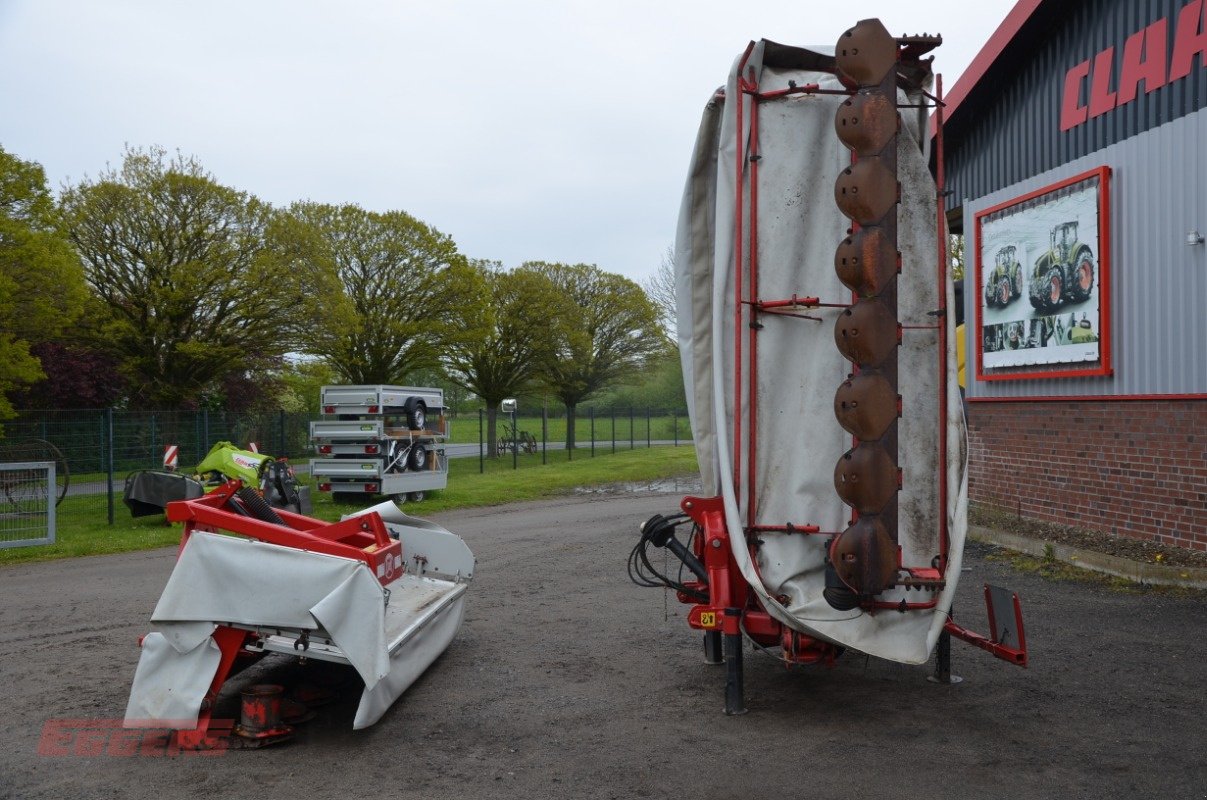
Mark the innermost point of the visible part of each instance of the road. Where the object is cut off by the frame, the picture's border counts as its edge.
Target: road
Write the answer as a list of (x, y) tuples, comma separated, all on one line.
[(566, 681)]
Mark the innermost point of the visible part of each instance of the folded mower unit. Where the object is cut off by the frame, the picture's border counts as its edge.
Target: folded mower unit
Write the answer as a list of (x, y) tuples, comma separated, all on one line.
[(379, 591), (813, 288)]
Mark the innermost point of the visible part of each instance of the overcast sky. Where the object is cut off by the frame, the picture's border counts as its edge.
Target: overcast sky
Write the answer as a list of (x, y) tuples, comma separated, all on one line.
[(555, 131)]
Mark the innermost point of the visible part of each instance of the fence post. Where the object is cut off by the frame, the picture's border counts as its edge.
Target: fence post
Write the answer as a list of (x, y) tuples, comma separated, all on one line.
[(613, 430), (205, 430), (515, 443), (281, 428), (109, 457), (544, 432), (675, 426), (631, 442), (481, 445), (154, 437), (648, 439), (592, 431)]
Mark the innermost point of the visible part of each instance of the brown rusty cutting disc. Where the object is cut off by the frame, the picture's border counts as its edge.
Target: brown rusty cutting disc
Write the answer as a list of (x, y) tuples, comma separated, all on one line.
[(866, 478), (866, 405), (866, 123), (865, 557), (866, 261), (866, 52), (867, 332), (866, 191)]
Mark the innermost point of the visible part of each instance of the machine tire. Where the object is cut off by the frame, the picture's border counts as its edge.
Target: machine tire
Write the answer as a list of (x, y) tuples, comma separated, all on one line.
[(1016, 281), (416, 497), (418, 458), (399, 499), (416, 414)]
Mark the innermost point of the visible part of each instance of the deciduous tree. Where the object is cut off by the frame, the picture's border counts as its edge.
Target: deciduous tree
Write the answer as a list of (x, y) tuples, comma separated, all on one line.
[(409, 291), (607, 340), (523, 310), (199, 281), (41, 282)]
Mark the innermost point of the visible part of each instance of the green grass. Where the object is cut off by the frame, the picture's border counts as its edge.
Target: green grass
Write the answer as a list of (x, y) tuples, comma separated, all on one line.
[(83, 527)]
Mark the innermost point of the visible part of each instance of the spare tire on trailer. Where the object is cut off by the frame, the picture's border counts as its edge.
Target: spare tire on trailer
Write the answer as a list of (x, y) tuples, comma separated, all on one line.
[(416, 413), (418, 457)]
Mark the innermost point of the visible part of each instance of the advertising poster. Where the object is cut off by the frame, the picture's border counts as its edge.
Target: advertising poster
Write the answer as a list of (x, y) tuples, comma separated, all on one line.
[(1041, 275)]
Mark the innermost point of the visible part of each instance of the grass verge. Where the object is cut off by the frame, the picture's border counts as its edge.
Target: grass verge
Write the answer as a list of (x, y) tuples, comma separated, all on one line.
[(83, 529)]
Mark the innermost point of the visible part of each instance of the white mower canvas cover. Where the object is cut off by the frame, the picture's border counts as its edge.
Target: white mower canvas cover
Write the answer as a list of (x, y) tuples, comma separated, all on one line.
[(389, 634), (799, 366)]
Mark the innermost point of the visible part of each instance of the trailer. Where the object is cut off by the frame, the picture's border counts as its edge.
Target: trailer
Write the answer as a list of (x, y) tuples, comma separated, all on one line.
[(380, 440), (813, 294)]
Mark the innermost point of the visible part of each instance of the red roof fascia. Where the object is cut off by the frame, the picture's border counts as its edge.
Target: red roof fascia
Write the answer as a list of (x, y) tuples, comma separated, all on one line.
[(993, 48)]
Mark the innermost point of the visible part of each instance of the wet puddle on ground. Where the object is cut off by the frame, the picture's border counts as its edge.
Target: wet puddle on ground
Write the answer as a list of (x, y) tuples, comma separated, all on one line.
[(690, 485)]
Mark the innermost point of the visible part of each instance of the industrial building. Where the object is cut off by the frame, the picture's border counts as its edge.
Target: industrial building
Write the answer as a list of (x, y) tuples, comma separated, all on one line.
[(1077, 175)]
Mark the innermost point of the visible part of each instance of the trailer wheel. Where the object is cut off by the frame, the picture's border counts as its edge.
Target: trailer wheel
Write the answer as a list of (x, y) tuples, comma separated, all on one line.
[(416, 414), (418, 458), (399, 499), (416, 497)]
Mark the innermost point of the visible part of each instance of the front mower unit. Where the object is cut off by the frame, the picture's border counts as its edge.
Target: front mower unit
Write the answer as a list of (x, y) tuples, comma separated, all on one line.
[(785, 550), (380, 592)]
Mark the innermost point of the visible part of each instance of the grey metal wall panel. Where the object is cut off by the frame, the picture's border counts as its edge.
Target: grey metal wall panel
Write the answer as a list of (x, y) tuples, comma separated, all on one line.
[(1009, 127), (1158, 284)]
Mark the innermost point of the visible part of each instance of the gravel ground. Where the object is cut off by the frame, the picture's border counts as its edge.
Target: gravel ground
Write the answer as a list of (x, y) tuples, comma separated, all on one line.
[(567, 681)]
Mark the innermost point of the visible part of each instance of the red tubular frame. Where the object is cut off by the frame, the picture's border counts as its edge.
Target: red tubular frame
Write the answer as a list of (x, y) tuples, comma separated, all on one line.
[(941, 236), (738, 273), (362, 538), (753, 391)]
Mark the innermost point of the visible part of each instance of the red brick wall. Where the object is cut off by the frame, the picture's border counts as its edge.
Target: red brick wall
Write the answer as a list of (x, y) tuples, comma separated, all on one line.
[(1132, 468)]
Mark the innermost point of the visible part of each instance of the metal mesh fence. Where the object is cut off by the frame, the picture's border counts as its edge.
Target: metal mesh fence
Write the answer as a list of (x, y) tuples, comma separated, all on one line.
[(96, 449)]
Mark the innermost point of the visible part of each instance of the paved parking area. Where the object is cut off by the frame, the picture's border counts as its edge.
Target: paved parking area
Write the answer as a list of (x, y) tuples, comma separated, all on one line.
[(567, 681)]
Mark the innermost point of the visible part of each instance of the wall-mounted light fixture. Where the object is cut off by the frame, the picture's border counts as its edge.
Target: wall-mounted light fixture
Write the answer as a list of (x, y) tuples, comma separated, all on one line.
[(1193, 238)]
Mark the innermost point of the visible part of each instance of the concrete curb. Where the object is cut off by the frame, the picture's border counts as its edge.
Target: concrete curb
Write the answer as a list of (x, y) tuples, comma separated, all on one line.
[(1137, 571)]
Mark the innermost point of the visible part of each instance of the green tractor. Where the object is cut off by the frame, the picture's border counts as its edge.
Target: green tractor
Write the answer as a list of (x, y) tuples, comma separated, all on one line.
[(1064, 274), (1005, 282)]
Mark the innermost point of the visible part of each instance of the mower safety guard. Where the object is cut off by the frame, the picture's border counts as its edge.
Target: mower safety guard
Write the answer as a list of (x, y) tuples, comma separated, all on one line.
[(363, 538)]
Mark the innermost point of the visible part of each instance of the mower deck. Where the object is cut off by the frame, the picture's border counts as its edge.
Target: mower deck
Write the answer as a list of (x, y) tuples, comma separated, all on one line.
[(415, 602)]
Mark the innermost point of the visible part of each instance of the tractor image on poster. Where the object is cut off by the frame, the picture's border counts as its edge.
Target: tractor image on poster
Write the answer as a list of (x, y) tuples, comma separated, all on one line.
[(1064, 274), (1005, 283)]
